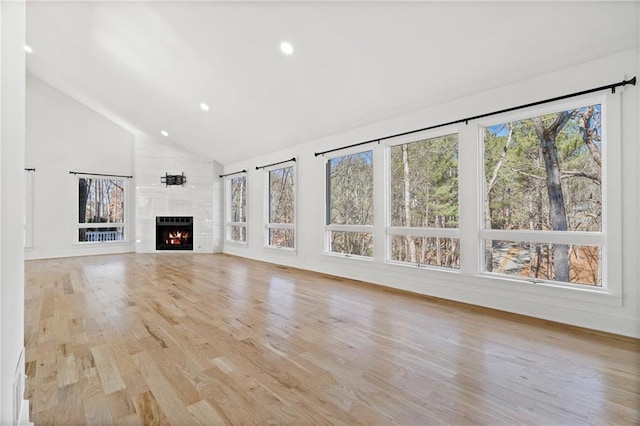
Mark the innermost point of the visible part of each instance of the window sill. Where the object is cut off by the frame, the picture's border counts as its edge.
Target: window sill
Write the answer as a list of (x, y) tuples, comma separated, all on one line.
[(423, 267), (490, 285), (288, 250), (573, 292), (348, 257), (86, 244)]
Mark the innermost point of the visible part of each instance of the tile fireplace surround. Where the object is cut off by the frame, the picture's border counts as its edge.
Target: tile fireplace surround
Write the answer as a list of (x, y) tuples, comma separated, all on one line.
[(200, 198)]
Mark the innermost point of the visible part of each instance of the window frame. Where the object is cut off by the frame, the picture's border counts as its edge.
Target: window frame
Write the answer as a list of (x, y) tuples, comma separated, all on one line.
[(228, 207), (267, 203), (608, 239), (125, 211), (331, 227), (390, 230)]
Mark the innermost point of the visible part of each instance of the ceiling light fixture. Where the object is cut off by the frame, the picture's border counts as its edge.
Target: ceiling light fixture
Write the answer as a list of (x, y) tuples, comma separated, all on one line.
[(28, 49), (286, 48), (204, 106), (164, 133)]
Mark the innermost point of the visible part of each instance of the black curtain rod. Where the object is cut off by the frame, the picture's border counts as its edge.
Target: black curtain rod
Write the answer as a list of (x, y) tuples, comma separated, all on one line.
[(234, 173), (29, 169), (612, 86), (99, 174), (275, 164)]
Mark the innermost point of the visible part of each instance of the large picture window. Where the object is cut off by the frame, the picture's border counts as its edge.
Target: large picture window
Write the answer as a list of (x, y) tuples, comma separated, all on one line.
[(237, 211), (424, 202), (281, 221), (101, 209), (543, 197), (350, 204)]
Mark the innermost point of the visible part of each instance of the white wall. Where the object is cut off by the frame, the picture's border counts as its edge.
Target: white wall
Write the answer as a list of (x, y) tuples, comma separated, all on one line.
[(200, 197), (12, 129), (584, 308), (63, 135)]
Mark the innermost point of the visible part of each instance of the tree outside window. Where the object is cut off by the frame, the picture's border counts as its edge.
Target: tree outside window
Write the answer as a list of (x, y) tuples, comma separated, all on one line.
[(237, 197), (543, 189), (350, 204), (100, 209), (280, 227), (424, 202)]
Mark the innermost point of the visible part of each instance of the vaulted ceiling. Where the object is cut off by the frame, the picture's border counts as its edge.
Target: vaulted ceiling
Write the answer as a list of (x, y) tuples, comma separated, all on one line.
[(149, 65)]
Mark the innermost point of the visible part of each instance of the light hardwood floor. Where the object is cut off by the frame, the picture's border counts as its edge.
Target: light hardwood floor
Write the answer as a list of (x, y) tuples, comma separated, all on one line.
[(187, 339)]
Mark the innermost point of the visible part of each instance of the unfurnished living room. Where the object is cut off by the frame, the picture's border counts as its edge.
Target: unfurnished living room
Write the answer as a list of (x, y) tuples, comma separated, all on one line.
[(410, 213)]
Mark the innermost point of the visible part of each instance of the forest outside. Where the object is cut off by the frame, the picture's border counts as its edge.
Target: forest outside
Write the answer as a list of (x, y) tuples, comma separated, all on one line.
[(281, 208), (100, 210), (237, 229), (545, 174), (424, 198), (542, 200), (350, 197)]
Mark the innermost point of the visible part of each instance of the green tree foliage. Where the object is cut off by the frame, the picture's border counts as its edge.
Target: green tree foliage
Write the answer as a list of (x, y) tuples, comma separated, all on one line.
[(424, 194), (544, 173)]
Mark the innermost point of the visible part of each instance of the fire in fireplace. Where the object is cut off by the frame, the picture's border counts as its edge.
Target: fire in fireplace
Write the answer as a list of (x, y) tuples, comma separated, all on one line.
[(174, 233)]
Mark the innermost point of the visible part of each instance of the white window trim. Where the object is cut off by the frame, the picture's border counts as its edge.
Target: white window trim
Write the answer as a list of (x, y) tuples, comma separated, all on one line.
[(228, 224), (610, 237), (293, 226), (328, 228), (350, 228), (124, 224), (424, 232)]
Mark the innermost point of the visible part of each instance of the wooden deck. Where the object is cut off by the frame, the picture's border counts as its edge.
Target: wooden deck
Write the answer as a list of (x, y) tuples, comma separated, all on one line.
[(188, 339)]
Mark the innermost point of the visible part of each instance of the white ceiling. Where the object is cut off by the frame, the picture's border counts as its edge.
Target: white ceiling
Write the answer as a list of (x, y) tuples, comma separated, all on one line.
[(148, 65)]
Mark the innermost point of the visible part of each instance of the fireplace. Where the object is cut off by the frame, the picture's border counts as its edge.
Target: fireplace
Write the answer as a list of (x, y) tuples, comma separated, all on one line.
[(174, 233)]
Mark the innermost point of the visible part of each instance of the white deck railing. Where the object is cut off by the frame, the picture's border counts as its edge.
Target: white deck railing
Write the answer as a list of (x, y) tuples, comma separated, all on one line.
[(104, 236)]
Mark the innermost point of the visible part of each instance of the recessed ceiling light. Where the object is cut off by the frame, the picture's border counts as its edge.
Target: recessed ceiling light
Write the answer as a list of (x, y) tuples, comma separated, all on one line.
[(164, 133), (28, 49), (204, 106), (286, 48)]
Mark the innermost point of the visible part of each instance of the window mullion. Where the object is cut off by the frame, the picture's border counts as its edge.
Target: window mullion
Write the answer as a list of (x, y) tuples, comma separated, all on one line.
[(425, 232), (554, 237), (470, 198), (379, 203)]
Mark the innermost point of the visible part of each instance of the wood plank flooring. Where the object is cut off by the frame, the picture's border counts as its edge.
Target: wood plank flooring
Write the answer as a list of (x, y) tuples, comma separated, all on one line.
[(188, 339)]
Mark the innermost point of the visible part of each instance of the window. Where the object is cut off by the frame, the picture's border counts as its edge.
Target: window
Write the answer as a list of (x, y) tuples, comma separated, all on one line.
[(424, 202), (237, 211), (281, 215), (350, 207), (543, 197), (101, 206)]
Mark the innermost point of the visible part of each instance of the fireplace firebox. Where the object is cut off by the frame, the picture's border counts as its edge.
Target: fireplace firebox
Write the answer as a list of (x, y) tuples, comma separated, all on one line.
[(174, 233)]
